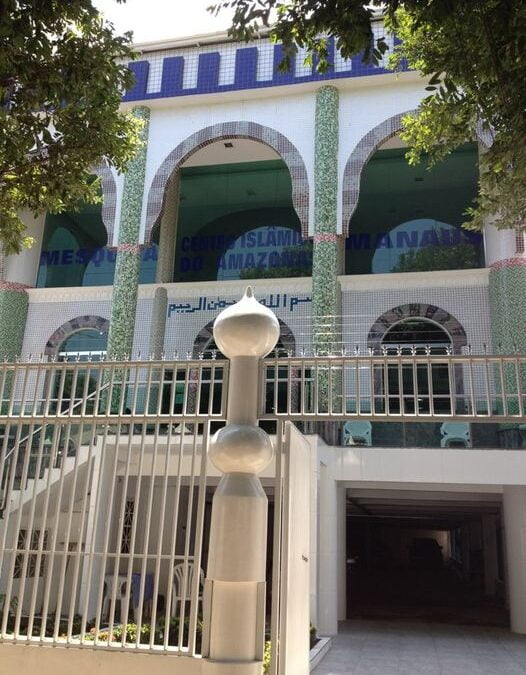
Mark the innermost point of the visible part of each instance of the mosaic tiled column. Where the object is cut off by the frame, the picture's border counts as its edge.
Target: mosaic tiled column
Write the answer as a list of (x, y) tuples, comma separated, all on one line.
[(328, 245), (327, 251), (505, 254), (507, 296), (124, 301), (13, 315)]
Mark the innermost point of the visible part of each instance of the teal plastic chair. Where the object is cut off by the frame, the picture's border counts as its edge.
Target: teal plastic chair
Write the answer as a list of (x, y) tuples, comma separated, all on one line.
[(357, 433), (457, 432)]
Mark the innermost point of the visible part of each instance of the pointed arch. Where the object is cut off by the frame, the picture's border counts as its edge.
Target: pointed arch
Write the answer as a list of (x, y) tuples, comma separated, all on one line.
[(164, 177), (109, 199), (363, 152), (74, 326), (417, 310)]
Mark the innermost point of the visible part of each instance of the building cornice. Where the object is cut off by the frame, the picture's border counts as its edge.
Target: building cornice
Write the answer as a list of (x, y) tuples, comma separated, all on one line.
[(70, 294), (175, 290), (412, 280)]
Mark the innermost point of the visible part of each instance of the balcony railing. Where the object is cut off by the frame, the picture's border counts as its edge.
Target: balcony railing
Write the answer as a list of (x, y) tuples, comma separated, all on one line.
[(395, 388)]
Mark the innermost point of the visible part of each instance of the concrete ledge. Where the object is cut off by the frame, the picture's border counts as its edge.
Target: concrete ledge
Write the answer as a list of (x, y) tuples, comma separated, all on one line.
[(319, 651), (58, 660)]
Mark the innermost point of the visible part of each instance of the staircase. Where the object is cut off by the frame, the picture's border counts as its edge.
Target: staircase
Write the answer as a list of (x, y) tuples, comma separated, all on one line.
[(49, 478)]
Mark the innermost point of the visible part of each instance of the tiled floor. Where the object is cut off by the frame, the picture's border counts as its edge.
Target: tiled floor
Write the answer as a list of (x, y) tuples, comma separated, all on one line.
[(418, 648)]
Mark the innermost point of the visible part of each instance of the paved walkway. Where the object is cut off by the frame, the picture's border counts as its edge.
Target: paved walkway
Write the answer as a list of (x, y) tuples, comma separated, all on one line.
[(418, 648)]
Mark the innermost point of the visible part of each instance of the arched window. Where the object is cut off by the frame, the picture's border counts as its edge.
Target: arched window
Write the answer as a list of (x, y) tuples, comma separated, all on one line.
[(72, 385), (408, 219), (419, 335), (423, 384), (88, 343)]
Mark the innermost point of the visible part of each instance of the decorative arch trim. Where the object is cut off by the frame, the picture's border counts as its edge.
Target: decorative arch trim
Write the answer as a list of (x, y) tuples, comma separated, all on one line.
[(206, 334), (109, 199), (417, 311), (224, 131), (74, 326), (359, 157), (363, 152)]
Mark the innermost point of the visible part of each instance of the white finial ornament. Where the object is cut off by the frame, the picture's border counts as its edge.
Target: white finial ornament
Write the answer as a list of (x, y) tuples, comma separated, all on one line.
[(247, 328)]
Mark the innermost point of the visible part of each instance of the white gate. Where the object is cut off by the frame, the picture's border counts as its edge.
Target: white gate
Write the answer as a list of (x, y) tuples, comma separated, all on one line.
[(291, 578)]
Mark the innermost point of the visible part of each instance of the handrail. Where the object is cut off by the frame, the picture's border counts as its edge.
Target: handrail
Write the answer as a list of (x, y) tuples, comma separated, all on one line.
[(69, 410)]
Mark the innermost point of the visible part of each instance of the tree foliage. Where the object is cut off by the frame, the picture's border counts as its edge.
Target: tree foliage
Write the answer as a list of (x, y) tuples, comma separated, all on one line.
[(473, 54), (62, 75)]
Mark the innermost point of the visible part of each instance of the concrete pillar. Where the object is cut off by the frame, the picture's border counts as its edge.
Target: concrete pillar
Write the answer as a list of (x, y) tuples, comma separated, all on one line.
[(158, 323), (124, 301), (328, 555), (504, 560), (234, 604), (96, 538), (22, 268), (314, 530), (489, 544), (342, 553), (328, 244), (514, 502), (465, 545), (165, 267)]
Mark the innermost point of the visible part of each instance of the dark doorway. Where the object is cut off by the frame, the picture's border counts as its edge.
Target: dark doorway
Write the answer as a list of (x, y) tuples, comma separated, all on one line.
[(422, 557)]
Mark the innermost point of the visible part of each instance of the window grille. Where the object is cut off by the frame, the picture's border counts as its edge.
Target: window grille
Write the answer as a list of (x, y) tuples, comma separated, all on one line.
[(32, 557), (127, 526)]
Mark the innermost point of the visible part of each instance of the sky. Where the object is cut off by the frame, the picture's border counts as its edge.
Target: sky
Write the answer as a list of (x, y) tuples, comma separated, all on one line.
[(162, 19)]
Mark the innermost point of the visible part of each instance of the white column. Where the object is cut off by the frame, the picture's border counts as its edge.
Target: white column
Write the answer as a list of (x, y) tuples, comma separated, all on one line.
[(342, 553), (514, 500), (234, 606), (328, 555), (96, 528), (23, 268), (489, 542), (498, 244), (465, 543), (314, 532), (505, 560)]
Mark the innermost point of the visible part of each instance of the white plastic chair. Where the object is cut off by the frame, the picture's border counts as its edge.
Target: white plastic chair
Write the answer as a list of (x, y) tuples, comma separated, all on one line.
[(120, 596), (177, 586), (458, 432), (357, 433)]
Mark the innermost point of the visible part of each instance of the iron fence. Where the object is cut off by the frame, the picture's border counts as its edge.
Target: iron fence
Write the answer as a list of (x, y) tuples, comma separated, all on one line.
[(106, 486)]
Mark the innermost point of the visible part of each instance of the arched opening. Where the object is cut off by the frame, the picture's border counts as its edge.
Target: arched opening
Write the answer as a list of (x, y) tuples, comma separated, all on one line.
[(234, 208), (85, 344), (76, 250), (417, 335), (417, 387), (72, 385), (408, 218)]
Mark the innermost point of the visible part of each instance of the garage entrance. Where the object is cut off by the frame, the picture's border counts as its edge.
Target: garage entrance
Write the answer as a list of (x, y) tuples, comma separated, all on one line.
[(429, 555)]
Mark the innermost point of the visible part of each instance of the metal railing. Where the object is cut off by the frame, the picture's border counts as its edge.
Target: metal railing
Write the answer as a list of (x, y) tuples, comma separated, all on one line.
[(106, 485), (112, 390), (395, 388), (104, 482)]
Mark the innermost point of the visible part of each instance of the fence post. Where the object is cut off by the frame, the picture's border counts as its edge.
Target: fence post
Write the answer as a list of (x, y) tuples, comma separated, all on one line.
[(235, 587)]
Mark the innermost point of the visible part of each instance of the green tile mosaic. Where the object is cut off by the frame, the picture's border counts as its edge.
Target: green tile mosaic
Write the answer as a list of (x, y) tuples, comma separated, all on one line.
[(13, 315), (328, 245), (507, 293), (124, 302)]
